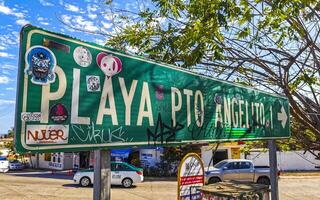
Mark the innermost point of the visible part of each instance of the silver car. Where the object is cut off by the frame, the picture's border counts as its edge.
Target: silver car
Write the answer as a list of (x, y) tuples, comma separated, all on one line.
[(15, 165), (239, 170)]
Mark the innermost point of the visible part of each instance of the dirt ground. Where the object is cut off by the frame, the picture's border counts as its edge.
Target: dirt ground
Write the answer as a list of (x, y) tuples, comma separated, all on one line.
[(41, 185)]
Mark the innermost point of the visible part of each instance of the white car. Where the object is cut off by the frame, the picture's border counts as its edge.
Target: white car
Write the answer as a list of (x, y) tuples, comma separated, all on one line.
[(121, 174), (4, 165)]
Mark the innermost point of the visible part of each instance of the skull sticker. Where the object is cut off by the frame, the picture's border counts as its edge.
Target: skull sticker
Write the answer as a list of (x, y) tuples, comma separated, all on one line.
[(82, 56), (110, 65), (41, 63)]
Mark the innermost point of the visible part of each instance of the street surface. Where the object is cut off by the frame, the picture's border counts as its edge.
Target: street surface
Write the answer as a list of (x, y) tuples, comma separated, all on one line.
[(41, 185)]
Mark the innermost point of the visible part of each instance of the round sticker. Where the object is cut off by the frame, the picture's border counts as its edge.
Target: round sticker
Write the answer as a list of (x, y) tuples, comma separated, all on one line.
[(82, 56), (58, 113), (110, 65)]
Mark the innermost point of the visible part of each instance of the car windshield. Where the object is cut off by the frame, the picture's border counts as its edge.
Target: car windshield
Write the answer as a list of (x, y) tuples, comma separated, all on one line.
[(220, 164)]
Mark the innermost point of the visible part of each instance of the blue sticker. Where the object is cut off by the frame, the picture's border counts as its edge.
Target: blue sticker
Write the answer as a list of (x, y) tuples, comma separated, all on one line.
[(41, 63)]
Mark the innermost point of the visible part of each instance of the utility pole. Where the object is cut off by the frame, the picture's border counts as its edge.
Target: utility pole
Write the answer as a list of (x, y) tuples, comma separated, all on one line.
[(273, 169), (102, 175)]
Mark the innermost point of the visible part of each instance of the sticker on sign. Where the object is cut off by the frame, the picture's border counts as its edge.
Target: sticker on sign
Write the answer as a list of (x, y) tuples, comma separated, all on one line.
[(47, 134), (31, 116)]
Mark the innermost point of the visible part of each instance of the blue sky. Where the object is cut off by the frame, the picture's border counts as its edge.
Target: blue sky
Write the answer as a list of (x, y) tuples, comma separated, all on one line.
[(48, 14)]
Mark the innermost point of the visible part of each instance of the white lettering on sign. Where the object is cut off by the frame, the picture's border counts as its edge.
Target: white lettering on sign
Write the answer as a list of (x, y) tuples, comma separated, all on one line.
[(199, 112), (145, 101), (47, 134), (236, 110), (128, 97), (75, 119), (177, 101), (107, 93), (188, 94), (49, 96), (31, 116)]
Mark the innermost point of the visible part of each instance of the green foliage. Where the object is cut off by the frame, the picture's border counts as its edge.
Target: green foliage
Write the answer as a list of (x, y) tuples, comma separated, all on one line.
[(10, 133), (261, 42), (10, 146), (193, 29)]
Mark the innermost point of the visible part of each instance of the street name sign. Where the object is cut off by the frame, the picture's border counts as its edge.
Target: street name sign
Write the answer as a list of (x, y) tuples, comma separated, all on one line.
[(74, 95)]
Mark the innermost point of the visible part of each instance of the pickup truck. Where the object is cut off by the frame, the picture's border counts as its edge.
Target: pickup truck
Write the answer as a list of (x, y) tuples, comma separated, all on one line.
[(239, 170)]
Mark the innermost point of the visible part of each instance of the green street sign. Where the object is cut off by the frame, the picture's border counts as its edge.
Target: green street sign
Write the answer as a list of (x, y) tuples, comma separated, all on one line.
[(74, 95)]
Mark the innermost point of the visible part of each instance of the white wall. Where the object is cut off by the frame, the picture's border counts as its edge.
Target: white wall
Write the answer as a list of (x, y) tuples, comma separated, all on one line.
[(206, 153), (42, 163), (287, 161), (4, 152), (66, 161)]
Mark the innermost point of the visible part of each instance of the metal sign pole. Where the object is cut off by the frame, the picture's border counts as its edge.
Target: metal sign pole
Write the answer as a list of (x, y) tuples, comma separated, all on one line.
[(102, 175), (97, 175), (273, 169)]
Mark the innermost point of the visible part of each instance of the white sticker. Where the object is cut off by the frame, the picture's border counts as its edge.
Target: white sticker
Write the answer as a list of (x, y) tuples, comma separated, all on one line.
[(93, 83), (82, 56), (47, 134), (31, 116)]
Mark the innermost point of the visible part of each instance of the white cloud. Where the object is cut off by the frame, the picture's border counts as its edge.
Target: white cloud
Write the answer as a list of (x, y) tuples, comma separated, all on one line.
[(92, 8), (5, 101), (8, 11), (42, 19), (92, 16), (8, 66), (2, 48), (22, 22), (46, 3), (78, 22), (72, 8), (10, 88), (6, 55), (99, 41), (110, 16), (44, 23), (106, 25), (4, 79), (66, 18)]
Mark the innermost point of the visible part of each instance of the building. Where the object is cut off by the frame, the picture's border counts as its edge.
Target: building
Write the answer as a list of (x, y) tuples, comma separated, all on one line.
[(53, 161)]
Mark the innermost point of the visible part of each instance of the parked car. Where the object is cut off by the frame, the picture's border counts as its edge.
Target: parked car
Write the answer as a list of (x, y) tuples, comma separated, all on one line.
[(4, 165), (15, 165), (239, 170), (121, 174)]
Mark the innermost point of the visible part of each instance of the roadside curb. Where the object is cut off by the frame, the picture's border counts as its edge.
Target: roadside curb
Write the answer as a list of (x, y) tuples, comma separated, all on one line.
[(298, 177)]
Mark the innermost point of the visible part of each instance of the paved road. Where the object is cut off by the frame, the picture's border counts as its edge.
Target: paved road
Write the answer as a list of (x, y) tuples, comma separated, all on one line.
[(38, 186)]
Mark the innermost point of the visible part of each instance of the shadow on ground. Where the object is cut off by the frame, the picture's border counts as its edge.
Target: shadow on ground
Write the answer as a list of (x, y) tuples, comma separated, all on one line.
[(91, 186), (157, 179), (44, 174)]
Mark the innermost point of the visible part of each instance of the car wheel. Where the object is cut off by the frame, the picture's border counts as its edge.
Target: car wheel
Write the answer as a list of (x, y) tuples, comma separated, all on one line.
[(213, 180), (85, 181), (264, 181), (127, 182)]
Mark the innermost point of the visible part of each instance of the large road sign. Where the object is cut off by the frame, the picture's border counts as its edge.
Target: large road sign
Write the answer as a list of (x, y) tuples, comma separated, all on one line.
[(74, 95)]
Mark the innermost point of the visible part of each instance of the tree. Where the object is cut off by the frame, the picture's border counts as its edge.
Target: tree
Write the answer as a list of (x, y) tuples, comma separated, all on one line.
[(270, 45), (10, 133)]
